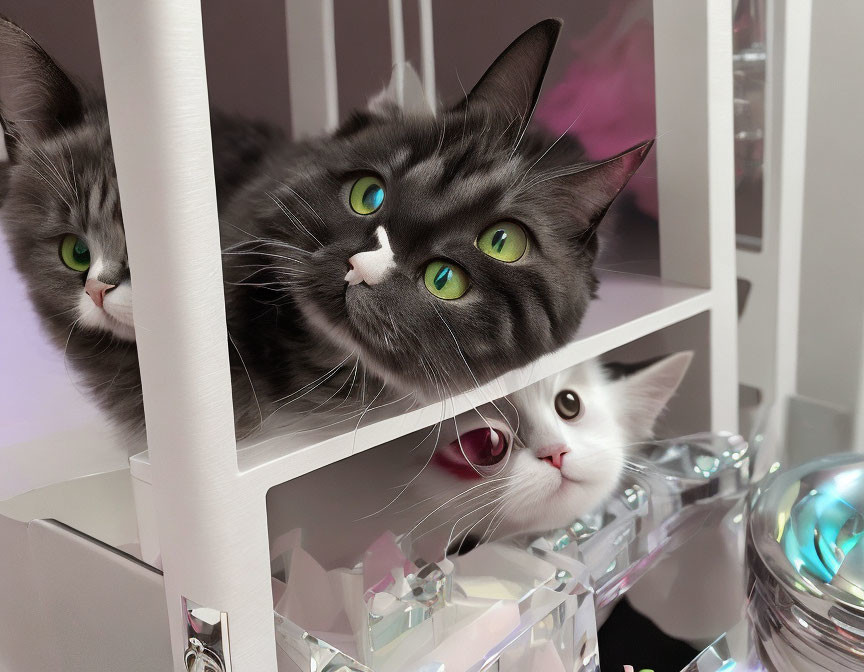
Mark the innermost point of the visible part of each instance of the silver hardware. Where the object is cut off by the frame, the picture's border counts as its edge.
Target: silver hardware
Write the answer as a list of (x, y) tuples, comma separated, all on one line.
[(207, 636)]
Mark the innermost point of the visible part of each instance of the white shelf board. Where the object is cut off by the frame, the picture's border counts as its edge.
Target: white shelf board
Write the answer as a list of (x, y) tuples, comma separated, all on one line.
[(627, 308), (99, 505)]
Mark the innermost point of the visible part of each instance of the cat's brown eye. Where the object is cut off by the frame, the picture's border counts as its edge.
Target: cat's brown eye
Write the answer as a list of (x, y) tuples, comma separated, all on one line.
[(568, 405)]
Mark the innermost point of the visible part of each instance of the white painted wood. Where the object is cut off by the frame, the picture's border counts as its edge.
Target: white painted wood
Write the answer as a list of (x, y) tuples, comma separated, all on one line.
[(695, 161), (769, 326), (427, 51), (785, 190), (831, 318), (397, 47), (628, 308), (312, 66), (155, 84)]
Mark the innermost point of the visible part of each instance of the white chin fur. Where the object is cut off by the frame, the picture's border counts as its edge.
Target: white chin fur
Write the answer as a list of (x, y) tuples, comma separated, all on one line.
[(546, 500), (115, 316)]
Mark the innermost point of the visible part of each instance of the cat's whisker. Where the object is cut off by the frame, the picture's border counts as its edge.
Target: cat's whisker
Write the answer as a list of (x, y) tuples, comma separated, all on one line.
[(524, 119), (451, 536), (49, 165), (468, 367), (502, 514), (309, 387), (72, 161), (305, 203), (62, 312), (482, 484), (330, 398), (51, 184), (249, 377), (351, 387), (65, 350), (507, 130), (443, 133), (407, 485), (437, 428), (292, 217), (543, 155), (263, 254), (362, 415)]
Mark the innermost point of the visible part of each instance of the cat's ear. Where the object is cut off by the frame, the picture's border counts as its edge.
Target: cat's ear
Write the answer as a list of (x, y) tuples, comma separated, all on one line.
[(596, 186), (508, 90), (37, 99), (646, 388)]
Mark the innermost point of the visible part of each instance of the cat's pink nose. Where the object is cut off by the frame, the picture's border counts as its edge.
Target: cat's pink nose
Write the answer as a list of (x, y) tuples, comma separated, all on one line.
[(554, 455), (96, 290)]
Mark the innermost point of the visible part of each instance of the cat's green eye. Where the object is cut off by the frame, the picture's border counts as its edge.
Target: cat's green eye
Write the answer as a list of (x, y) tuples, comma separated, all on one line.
[(75, 253), (446, 280), (367, 195), (504, 241)]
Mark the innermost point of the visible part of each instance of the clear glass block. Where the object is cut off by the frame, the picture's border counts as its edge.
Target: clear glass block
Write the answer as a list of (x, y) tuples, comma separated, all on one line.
[(495, 608)]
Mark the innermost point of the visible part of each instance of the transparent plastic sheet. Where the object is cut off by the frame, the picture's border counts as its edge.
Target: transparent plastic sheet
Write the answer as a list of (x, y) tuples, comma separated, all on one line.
[(518, 605)]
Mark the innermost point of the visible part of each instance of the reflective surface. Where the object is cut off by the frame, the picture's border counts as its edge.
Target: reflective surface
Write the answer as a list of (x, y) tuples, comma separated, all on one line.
[(805, 554), (207, 632)]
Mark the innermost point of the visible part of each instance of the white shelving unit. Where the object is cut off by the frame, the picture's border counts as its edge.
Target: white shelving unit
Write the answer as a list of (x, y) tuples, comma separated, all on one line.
[(208, 499), (768, 331)]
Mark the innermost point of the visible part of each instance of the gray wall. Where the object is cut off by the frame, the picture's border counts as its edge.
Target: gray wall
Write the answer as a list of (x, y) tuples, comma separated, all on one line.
[(247, 62), (832, 282)]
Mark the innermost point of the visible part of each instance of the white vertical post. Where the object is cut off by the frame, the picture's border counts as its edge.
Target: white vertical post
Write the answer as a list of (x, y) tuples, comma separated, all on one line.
[(153, 63), (695, 162), (397, 48), (427, 51), (312, 66), (696, 171), (787, 89)]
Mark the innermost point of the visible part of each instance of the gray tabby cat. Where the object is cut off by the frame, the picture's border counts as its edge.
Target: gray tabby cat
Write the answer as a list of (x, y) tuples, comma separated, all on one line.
[(416, 255), (404, 255), (61, 214)]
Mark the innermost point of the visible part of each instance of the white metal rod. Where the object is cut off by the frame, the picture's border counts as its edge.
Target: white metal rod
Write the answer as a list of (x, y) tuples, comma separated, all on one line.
[(695, 164), (153, 63), (312, 66), (427, 51), (397, 47)]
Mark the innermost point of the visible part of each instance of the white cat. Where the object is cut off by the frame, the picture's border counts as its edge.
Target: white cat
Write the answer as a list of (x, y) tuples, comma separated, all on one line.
[(533, 461)]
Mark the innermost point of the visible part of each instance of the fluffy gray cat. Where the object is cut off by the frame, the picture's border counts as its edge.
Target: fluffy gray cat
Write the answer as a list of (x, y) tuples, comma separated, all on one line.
[(405, 255), (419, 254), (61, 214)]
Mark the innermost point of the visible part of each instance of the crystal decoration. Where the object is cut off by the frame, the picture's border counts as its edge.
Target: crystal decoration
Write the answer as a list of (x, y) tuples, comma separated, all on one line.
[(525, 605)]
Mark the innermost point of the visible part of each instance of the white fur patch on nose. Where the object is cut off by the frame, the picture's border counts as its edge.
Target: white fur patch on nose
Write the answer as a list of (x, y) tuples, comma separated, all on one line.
[(373, 266)]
